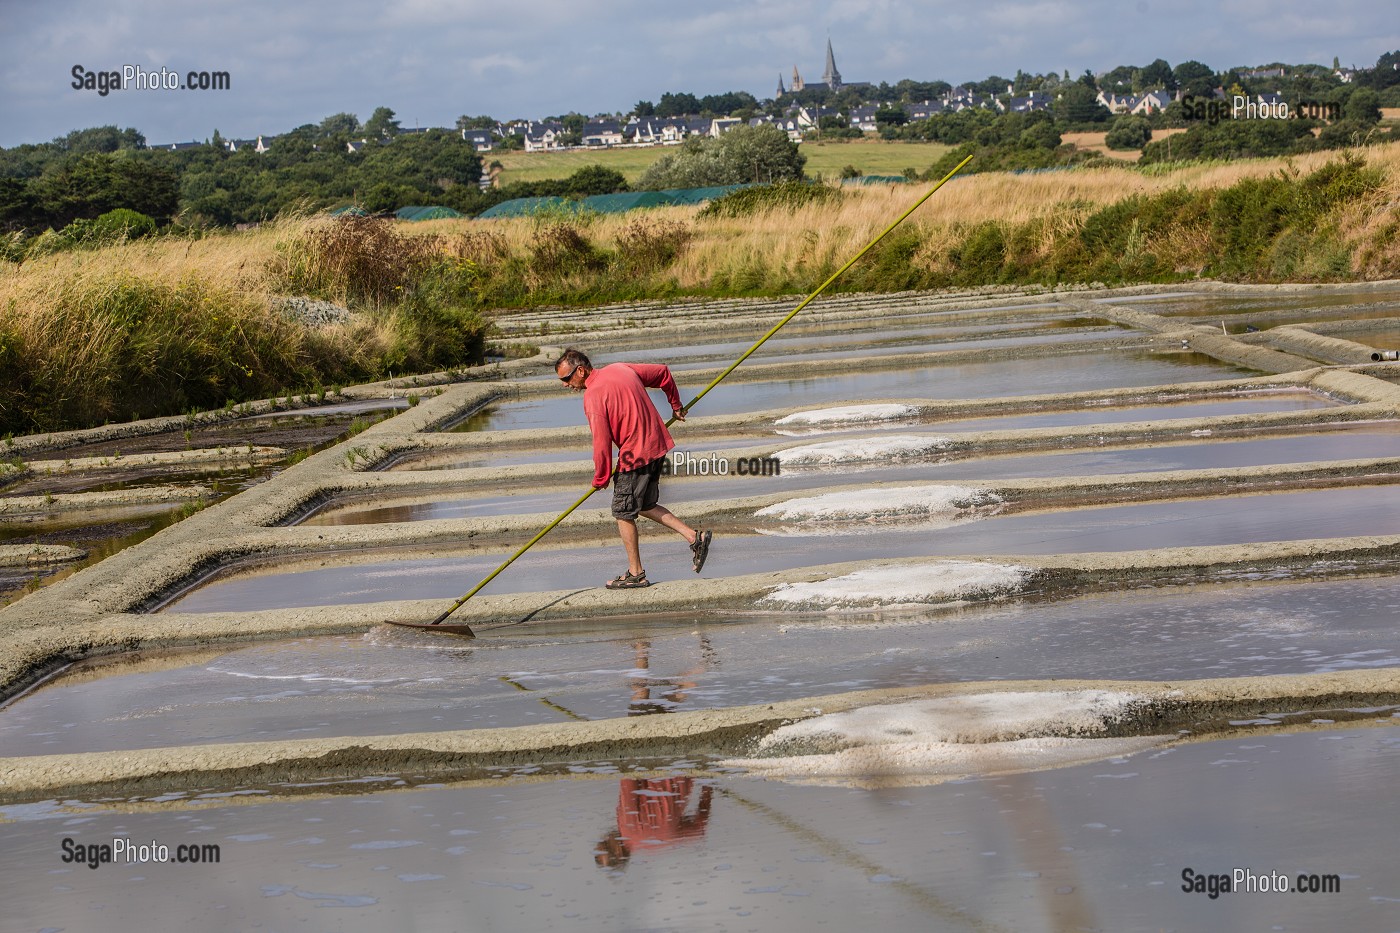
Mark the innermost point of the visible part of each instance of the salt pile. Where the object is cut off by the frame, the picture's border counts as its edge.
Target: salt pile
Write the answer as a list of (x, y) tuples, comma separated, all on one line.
[(900, 584), (881, 412), (898, 447), (932, 501), (952, 736)]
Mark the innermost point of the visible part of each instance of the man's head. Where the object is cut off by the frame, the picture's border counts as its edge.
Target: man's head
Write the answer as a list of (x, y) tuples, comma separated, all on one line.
[(573, 368)]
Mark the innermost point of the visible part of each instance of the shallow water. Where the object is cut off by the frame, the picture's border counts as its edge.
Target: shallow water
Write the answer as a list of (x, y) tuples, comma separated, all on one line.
[(1009, 377), (299, 428), (872, 333), (842, 348), (1242, 404), (1233, 520), (1340, 442), (1095, 846), (391, 681), (1344, 304)]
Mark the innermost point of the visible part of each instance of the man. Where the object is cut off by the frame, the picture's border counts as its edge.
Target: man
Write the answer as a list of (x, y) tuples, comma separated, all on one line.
[(620, 414)]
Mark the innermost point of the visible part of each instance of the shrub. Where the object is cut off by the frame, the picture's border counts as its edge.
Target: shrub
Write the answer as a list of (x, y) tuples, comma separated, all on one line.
[(112, 227), (744, 154), (352, 258), (559, 246), (1129, 132), (650, 245), (786, 196)]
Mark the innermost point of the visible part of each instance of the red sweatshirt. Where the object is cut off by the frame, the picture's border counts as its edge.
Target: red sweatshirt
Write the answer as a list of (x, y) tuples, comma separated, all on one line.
[(620, 413)]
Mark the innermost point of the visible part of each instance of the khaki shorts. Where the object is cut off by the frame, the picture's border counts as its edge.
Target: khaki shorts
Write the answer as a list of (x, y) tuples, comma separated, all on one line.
[(637, 491)]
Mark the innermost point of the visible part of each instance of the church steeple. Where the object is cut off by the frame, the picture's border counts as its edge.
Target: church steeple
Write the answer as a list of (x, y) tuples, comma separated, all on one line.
[(781, 90), (831, 77), (797, 83)]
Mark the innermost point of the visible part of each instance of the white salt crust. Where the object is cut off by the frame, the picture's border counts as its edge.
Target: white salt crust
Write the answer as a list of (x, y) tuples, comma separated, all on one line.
[(896, 584), (897, 447), (883, 502), (849, 413), (950, 737)]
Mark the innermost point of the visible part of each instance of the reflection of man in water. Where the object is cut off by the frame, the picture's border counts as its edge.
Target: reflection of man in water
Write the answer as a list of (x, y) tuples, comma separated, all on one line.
[(642, 683), (653, 813)]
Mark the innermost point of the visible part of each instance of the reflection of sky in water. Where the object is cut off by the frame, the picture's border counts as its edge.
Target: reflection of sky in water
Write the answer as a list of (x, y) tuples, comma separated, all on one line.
[(1344, 304), (1340, 443), (1233, 520), (878, 333), (1009, 377), (844, 349), (1100, 845), (398, 681)]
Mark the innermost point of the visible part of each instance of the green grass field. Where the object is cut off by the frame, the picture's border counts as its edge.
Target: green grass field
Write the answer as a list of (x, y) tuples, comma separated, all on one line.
[(871, 156)]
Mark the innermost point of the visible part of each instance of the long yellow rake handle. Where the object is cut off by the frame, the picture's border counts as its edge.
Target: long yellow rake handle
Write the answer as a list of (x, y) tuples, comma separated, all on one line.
[(714, 382)]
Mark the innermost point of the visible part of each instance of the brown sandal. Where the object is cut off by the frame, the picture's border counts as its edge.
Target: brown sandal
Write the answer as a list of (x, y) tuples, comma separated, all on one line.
[(629, 581)]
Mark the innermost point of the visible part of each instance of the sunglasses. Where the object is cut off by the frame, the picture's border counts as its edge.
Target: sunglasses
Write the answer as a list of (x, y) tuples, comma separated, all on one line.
[(565, 379)]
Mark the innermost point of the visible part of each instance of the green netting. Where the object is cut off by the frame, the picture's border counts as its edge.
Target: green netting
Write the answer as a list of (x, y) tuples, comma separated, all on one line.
[(701, 195), (524, 207), (431, 212), (876, 180), (628, 200), (350, 210), (609, 203)]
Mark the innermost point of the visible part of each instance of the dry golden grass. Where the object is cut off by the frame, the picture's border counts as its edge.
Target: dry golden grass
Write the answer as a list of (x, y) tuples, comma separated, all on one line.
[(784, 249), (1094, 142)]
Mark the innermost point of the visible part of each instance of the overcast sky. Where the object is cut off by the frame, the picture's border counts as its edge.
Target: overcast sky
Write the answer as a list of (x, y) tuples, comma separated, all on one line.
[(432, 60)]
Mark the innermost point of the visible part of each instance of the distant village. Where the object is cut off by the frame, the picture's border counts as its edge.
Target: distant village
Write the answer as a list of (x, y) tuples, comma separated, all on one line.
[(799, 121)]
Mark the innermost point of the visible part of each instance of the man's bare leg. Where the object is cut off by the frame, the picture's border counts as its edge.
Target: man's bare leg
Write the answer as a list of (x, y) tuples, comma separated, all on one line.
[(664, 516), (627, 529)]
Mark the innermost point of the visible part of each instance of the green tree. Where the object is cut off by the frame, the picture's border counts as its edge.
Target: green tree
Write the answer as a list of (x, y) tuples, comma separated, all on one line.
[(465, 122), (1129, 132), (17, 211), (95, 183), (1040, 135), (677, 105), (594, 179), (1158, 75), (340, 124), (1078, 103), (381, 123), (744, 154), (644, 108), (101, 139), (1194, 78), (1363, 106), (891, 116), (430, 162), (1385, 74)]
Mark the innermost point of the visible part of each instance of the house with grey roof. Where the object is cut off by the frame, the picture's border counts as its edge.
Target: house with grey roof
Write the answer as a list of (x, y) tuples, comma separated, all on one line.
[(924, 109), (1151, 102), (1031, 103), (721, 125), (1116, 103), (481, 140), (543, 136), (598, 133)]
